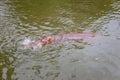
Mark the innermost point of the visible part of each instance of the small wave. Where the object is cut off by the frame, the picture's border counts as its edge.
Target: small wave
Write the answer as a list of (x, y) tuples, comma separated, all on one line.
[(26, 41), (24, 44)]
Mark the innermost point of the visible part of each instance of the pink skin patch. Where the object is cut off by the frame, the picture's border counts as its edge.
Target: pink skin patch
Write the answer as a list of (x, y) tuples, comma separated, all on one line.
[(54, 38)]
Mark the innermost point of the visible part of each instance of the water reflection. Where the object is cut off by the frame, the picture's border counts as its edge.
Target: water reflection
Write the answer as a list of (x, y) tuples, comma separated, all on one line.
[(95, 59), (6, 66), (59, 14)]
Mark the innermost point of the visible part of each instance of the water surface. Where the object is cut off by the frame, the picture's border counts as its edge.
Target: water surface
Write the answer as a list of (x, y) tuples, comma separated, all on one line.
[(95, 59)]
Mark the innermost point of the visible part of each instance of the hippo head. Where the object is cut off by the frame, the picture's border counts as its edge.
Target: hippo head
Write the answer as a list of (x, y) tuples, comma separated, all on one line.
[(43, 40)]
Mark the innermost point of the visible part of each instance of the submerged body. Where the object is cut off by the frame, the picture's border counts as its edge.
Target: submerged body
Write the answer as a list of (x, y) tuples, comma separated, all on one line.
[(60, 37), (71, 36)]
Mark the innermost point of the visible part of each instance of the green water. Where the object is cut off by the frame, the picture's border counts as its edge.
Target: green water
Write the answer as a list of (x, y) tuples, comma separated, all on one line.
[(95, 59)]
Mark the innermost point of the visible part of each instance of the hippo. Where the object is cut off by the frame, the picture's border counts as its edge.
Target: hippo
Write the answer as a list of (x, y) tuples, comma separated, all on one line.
[(43, 40)]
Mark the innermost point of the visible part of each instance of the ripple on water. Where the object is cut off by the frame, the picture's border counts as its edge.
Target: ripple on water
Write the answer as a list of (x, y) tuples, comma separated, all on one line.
[(96, 59)]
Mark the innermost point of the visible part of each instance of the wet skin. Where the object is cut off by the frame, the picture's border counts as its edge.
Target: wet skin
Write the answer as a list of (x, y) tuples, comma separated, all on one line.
[(43, 40)]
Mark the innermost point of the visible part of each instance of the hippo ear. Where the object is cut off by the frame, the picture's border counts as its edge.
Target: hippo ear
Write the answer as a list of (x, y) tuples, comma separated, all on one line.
[(49, 39)]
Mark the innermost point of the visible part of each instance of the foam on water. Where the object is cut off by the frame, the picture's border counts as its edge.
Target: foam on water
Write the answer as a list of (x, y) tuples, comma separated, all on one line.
[(25, 44), (27, 41)]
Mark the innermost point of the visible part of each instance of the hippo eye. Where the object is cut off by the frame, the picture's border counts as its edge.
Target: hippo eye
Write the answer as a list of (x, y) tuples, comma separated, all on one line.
[(42, 37)]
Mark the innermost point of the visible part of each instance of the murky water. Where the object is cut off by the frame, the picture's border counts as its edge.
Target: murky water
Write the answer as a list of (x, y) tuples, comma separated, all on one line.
[(95, 59)]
